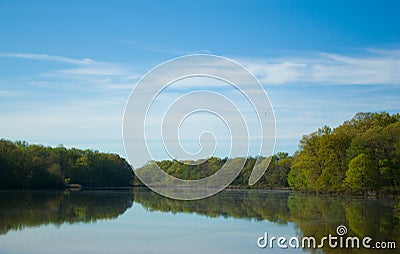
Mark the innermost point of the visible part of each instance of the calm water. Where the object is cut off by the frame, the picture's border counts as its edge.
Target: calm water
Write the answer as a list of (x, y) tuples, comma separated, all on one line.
[(140, 221)]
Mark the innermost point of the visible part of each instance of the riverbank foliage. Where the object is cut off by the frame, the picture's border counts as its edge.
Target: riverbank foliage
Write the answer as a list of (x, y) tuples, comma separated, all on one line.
[(36, 166), (361, 155)]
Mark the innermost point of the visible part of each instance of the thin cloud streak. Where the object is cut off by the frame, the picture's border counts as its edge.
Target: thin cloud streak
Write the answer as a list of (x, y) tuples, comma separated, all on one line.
[(105, 75), (46, 57), (9, 93), (96, 70), (162, 49)]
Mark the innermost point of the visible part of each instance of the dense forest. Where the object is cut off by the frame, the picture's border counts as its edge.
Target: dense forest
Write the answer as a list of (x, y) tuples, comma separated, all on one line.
[(361, 155), (36, 166)]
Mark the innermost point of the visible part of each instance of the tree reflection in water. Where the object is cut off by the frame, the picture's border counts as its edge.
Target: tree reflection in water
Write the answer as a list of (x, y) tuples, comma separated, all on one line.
[(20, 209), (315, 216)]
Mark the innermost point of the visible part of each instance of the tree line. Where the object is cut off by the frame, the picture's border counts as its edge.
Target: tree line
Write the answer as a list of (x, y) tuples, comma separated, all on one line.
[(275, 176), (361, 155), (36, 166)]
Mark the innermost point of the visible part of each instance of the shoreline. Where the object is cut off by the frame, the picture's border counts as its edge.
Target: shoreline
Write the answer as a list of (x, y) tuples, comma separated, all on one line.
[(77, 187)]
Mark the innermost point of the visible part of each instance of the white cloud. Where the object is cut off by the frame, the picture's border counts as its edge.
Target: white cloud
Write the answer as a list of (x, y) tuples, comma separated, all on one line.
[(382, 67)]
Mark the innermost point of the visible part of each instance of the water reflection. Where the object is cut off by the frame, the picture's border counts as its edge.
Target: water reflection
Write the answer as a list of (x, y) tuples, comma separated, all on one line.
[(241, 204), (320, 216), (312, 215), (27, 209)]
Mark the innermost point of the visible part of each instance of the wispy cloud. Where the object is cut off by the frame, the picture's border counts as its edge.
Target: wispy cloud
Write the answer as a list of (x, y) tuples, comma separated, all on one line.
[(45, 57), (95, 70), (85, 71), (91, 94), (375, 66), (163, 49), (9, 93), (177, 51), (380, 67)]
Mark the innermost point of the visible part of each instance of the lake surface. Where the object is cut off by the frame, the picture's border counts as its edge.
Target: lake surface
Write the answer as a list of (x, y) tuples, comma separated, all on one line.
[(140, 221)]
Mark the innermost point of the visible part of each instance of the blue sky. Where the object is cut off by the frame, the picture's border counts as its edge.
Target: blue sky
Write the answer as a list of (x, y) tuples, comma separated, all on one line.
[(68, 67)]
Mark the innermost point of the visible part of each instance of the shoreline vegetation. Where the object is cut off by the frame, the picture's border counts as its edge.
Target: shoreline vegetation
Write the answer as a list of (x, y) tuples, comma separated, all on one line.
[(24, 166), (359, 157)]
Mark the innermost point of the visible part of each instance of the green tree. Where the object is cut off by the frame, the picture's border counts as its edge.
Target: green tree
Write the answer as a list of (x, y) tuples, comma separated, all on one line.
[(361, 174)]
